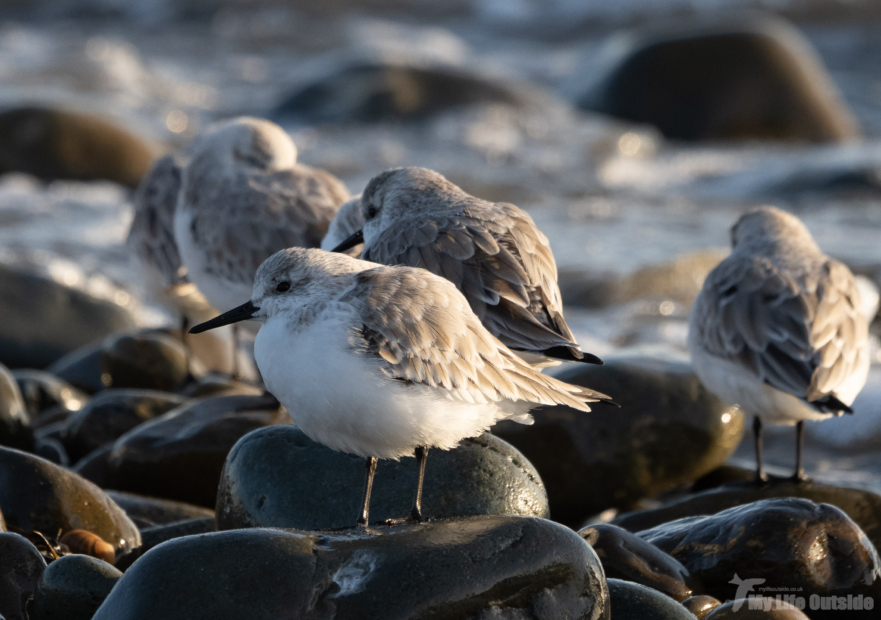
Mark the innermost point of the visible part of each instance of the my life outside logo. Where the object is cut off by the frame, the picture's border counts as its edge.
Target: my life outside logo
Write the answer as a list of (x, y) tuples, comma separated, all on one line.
[(771, 598)]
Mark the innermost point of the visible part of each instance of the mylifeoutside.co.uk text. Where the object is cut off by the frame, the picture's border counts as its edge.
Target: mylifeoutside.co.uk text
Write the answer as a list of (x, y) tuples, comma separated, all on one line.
[(813, 602)]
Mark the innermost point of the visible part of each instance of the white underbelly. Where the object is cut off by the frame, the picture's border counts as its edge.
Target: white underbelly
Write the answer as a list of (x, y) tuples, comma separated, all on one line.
[(342, 400)]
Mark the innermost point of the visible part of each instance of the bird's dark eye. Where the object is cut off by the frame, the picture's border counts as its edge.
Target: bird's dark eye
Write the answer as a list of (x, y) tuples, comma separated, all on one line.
[(371, 212), (283, 286)]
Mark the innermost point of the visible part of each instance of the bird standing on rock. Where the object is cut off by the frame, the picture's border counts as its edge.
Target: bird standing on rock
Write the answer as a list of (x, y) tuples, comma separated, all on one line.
[(778, 330), (492, 252), (243, 198), (385, 362)]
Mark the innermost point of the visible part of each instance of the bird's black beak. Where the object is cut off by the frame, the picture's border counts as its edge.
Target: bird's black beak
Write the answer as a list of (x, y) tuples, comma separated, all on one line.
[(242, 313), (351, 242)]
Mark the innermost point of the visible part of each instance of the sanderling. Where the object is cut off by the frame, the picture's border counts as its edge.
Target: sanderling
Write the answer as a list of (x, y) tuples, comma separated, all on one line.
[(151, 239), (385, 362), (243, 198), (778, 328), (492, 252), (347, 221)]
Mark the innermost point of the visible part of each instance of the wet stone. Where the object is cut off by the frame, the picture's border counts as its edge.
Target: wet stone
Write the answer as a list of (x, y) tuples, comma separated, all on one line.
[(789, 542), (81, 368), (701, 605), (746, 78), (41, 390), (180, 455), (15, 421), (863, 506), (379, 91), (36, 495), (21, 566), (58, 144), (776, 610), (158, 511), (73, 588), (111, 414), (626, 556), (150, 361), (480, 567), (631, 601), (153, 536), (668, 432), (44, 320), (278, 477)]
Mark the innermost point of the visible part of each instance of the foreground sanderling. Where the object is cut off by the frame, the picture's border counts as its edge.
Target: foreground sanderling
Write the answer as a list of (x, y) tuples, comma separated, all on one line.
[(347, 221), (385, 362), (492, 252), (243, 198), (151, 240), (778, 328)]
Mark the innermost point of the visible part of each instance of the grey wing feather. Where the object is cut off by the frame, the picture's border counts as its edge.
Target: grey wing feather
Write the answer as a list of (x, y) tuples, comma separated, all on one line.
[(500, 261), (264, 213), (424, 332), (803, 335), (152, 232)]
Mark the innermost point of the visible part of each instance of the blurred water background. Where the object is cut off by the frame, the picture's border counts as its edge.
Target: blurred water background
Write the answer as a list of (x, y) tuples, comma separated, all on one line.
[(635, 220)]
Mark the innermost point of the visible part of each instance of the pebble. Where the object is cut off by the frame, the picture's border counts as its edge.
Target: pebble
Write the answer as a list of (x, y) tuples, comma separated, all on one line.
[(20, 571), (278, 477), (150, 361), (668, 432), (37, 495), (631, 601), (487, 567), (180, 454), (73, 588), (701, 604)]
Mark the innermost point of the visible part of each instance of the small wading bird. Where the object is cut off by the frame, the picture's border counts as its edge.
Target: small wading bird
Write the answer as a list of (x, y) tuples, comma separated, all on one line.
[(778, 328), (491, 251), (385, 362), (243, 198)]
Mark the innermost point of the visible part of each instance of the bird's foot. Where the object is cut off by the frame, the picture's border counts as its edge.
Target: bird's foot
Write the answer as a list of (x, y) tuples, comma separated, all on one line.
[(761, 479), (416, 517), (799, 476)]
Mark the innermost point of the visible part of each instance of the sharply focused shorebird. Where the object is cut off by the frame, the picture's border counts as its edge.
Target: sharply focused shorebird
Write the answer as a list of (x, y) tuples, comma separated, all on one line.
[(491, 251), (778, 328), (244, 197), (385, 362)]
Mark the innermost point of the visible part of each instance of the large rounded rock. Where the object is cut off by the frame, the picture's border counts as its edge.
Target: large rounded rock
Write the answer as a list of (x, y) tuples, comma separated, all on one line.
[(57, 144), (21, 566), (152, 511), (669, 431), (278, 477), (81, 368), (793, 544), (149, 360), (180, 455), (864, 507), (154, 536), (747, 78), (44, 319), (15, 421), (73, 588), (487, 567), (36, 495), (111, 414), (632, 601), (377, 91), (628, 557), (42, 391)]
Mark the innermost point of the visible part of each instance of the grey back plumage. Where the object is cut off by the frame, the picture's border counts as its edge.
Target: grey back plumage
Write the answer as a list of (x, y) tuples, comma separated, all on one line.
[(492, 252), (784, 311)]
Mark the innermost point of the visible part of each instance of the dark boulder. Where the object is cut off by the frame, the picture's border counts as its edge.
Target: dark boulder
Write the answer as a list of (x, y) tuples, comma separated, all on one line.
[(668, 432), (147, 360), (73, 588), (735, 78), (278, 477), (481, 567), (632, 601), (57, 144), (21, 566)]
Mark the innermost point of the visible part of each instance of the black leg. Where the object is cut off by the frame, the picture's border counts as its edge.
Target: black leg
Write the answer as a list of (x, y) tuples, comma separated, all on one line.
[(422, 456), (235, 352), (757, 431), (799, 474), (368, 488)]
